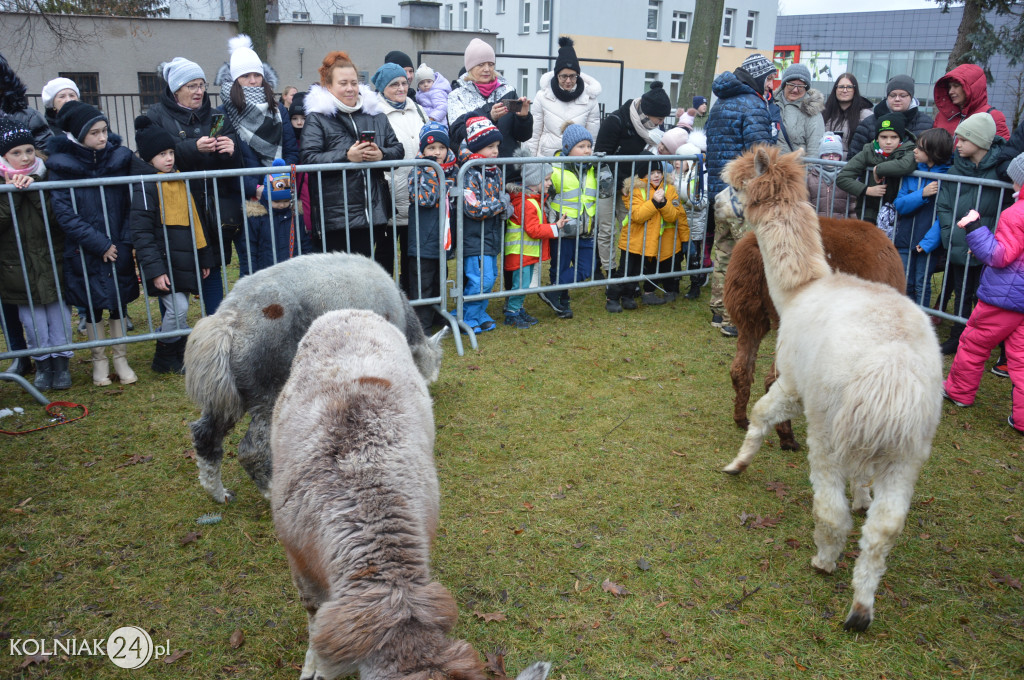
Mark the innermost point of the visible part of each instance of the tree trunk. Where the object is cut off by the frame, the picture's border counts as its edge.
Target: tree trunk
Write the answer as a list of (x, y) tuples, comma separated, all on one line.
[(702, 56), (973, 11), (252, 21)]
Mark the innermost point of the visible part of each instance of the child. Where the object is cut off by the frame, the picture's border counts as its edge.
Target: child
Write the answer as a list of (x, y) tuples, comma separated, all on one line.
[(828, 199), (999, 314), (653, 209), (429, 221), (98, 263), (297, 113), (47, 322), (575, 185), (164, 224), (486, 206), (890, 156), (524, 250), (432, 90), (915, 204)]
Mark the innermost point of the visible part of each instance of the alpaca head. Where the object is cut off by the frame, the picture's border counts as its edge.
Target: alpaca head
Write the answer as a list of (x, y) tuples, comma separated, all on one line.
[(762, 176)]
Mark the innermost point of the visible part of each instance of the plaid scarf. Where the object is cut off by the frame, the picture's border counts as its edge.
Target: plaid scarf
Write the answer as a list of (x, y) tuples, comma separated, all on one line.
[(258, 124)]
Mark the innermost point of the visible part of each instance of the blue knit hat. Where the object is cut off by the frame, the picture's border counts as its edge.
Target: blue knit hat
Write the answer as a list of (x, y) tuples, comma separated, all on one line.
[(385, 74), (573, 135), (433, 132)]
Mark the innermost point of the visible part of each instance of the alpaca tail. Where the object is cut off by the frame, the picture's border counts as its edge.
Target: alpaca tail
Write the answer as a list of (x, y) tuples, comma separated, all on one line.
[(351, 629), (209, 381)]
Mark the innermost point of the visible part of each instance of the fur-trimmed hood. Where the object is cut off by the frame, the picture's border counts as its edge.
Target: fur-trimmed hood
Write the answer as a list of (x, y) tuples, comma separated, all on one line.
[(811, 104), (636, 182), (13, 98), (319, 100)]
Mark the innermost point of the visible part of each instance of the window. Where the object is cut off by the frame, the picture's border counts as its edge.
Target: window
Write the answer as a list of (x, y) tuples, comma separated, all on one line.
[(501, 7), (681, 26), (540, 74), (751, 28), (300, 16), (545, 16), (727, 25), (524, 16), (478, 10), (649, 77), (387, 21), (653, 18), (464, 15), (88, 86), (449, 13), (499, 46), (524, 82), (348, 19), (675, 80), (150, 88)]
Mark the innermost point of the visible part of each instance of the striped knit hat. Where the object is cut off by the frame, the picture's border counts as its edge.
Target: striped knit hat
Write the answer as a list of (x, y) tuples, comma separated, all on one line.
[(480, 132)]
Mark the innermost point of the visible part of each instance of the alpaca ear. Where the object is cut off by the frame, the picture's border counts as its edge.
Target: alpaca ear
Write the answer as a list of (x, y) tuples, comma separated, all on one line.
[(762, 159)]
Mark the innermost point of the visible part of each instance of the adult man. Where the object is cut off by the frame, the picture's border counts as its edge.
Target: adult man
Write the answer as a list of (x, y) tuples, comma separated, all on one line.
[(899, 96)]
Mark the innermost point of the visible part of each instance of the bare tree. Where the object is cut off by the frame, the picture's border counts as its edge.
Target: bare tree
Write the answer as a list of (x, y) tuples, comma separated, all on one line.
[(977, 40), (702, 55), (252, 21), (62, 23)]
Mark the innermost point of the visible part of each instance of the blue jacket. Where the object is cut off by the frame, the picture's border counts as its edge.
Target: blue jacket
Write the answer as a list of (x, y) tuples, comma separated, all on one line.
[(85, 227), (739, 119), (915, 211)]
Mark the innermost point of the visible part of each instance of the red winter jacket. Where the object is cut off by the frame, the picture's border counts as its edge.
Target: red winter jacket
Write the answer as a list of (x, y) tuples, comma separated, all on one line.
[(976, 91)]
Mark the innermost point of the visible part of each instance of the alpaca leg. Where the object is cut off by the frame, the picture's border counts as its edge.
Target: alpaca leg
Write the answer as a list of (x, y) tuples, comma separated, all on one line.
[(254, 450), (742, 374), (311, 596), (208, 438), (832, 522), (779, 404), (860, 489), (886, 517), (784, 429)]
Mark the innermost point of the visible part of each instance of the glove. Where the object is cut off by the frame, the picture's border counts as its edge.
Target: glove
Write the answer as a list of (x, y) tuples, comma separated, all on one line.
[(506, 200), (570, 229), (605, 182)]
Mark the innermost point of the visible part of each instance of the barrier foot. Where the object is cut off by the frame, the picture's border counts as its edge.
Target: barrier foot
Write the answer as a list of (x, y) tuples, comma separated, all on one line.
[(453, 324), (25, 385)]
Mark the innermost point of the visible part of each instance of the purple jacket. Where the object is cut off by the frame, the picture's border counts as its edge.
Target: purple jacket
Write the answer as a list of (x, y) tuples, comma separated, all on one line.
[(1002, 281), (435, 100)]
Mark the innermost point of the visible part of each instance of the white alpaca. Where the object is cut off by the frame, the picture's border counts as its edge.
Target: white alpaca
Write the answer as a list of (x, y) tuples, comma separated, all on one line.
[(859, 359)]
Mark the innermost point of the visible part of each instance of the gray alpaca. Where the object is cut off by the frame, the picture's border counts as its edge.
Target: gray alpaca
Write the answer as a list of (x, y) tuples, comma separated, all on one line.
[(238, 359), (355, 504)]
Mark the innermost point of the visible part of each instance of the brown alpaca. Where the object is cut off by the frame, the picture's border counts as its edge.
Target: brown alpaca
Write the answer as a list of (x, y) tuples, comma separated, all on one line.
[(851, 246)]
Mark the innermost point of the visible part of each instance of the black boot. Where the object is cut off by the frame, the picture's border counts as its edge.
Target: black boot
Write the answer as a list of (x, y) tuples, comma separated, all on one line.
[(165, 359), (44, 374), (61, 373), (179, 352), (951, 345), (695, 284), (22, 366)]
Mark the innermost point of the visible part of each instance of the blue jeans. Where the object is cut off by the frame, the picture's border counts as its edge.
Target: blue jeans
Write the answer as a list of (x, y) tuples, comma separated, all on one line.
[(481, 273), (566, 265), (213, 290), (521, 280), (918, 269)]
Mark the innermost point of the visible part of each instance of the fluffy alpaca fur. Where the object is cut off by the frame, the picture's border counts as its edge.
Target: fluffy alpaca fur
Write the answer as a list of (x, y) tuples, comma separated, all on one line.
[(851, 246), (858, 358), (238, 359), (355, 504)]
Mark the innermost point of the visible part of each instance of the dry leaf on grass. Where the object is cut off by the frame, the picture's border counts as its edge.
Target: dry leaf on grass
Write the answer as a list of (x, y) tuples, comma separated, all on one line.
[(237, 639), (171, 658), (496, 663), (134, 460), (779, 488), (489, 616), (34, 659), (190, 537), (614, 588)]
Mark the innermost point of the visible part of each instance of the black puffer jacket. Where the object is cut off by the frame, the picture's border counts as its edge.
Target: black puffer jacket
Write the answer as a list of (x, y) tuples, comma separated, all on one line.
[(617, 137), (14, 103), (326, 138)]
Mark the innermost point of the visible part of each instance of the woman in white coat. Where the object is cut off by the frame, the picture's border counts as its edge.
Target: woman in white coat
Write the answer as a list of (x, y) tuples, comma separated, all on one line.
[(565, 96)]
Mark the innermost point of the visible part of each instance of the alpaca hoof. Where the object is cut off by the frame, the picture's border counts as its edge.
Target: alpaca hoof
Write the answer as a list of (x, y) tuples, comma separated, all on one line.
[(734, 469), (859, 619), (862, 510), (225, 496), (789, 445), (742, 423), (821, 566)]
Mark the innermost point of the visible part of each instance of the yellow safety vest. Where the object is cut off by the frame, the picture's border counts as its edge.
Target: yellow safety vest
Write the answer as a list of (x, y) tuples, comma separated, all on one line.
[(570, 197), (517, 241)]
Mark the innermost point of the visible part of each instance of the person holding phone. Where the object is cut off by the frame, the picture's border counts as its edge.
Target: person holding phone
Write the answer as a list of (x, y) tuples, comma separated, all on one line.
[(184, 110), (345, 123)]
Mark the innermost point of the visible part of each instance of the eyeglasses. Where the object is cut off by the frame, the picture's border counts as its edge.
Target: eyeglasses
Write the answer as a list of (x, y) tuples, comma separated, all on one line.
[(844, 87), (196, 87), (571, 78), (899, 95), (796, 87)]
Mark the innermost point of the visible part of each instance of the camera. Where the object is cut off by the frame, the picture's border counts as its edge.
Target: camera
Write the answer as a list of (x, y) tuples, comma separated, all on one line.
[(368, 136), (513, 105)]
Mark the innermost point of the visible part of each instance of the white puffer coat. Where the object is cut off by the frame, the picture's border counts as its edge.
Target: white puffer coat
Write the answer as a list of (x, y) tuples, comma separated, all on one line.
[(550, 114), (802, 121), (407, 124)]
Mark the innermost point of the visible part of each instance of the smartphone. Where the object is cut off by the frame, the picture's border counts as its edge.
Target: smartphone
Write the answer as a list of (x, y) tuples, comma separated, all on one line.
[(513, 105), (218, 124), (368, 136)]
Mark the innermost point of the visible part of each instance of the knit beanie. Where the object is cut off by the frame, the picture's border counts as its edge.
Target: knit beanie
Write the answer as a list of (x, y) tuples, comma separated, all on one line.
[(51, 89), (400, 58), (643, 168), (893, 122), (573, 135), (179, 71), (243, 58), (13, 134), (566, 56), (699, 101), (534, 173), (831, 143), (675, 138), (478, 52), (688, 149), (433, 132), (655, 101), (480, 132), (759, 68), (150, 138), (1015, 170), (77, 117), (902, 82), (386, 74), (298, 107), (686, 121), (797, 71), (978, 129), (424, 72)]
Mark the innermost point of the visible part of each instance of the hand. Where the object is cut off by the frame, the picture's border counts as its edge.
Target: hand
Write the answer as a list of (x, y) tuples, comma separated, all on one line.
[(19, 181), (877, 191), (225, 145), (525, 110), (355, 152), (111, 254), (498, 110), (971, 216), (206, 144), (930, 189), (372, 152), (562, 219), (259, 191), (874, 173), (919, 249), (205, 271), (162, 282), (659, 195)]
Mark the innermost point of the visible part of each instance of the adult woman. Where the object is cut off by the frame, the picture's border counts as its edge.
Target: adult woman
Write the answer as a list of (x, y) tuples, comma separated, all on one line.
[(247, 93), (566, 95), (56, 93), (184, 110), (802, 124), (356, 203), (286, 96), (485, 93), (961, 93), (845, 108)]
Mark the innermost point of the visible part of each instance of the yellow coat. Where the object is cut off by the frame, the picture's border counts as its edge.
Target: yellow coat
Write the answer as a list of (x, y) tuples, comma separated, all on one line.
[(649, 230)]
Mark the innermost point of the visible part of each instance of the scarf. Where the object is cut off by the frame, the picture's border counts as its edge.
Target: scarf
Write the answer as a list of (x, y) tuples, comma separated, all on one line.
[(640, 123), (258, 124), (393, 104), (175, 205), (877, 149), (487, 88), (37, 168), (570, 95), (827, 172), (345, 108)]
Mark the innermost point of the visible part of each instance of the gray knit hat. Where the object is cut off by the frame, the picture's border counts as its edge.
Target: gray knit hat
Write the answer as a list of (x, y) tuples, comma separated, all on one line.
[(534, 174), (831, 143), (978, 129), (797, 72), (1016, 170), (902, 82), (179, 71)]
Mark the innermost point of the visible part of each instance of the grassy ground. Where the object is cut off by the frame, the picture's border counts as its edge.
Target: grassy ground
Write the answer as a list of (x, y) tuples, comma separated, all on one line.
[(570, 455)]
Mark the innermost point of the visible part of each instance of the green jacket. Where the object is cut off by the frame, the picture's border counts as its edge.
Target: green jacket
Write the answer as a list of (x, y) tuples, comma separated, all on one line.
[(955, 200), (851, 178), (28, 209)]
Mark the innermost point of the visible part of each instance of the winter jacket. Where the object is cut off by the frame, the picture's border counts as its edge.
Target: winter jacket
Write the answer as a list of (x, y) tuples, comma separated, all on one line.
[(326, 138), (175, 256), (406, 124), (856, 176), (523, 250), (86, 226), (826, 196), (652, 230), (739, 119), (550, 114), (572, 198), (1002, 281), (425, 217), (486, 206), (1011, 150), (842, 128), (32, 231), (618, 137), (951, 207), (435, 100), (917, 123), (949, 115), (14, 103), (465, 102), (37, 125), (802, 124), (916, 213)]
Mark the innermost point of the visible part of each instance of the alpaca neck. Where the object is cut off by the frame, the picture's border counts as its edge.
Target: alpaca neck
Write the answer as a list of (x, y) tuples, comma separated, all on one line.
[(790, 243)]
